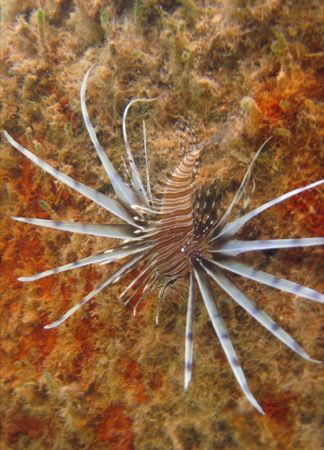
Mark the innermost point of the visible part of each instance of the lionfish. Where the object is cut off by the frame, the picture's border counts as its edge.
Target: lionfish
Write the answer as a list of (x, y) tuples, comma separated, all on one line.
[(175, 237)]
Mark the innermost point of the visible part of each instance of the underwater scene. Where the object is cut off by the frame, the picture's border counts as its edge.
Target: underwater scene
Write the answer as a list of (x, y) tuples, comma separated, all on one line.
[(161, 224)]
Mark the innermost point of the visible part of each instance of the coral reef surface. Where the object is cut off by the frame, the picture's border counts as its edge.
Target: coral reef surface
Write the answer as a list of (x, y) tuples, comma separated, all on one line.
[(104, 379)]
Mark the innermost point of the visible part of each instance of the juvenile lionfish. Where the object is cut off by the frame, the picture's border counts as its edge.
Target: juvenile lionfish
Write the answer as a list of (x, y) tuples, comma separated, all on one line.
[(173, 237)]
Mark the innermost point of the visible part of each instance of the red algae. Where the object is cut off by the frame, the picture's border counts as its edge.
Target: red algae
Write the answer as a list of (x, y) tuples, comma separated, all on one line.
[(24, 425), (277, 409), (116, 429), (36, 345), (134, 378)]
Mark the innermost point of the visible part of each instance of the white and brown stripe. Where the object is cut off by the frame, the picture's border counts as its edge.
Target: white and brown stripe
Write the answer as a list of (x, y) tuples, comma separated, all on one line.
[(173, 243)]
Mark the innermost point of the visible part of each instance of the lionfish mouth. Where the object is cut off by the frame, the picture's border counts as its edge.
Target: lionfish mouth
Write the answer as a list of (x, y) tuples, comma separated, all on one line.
[(175, 237)]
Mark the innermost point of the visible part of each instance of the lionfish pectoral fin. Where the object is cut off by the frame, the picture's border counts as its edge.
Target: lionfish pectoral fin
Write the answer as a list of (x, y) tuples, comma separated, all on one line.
[(189, 334), (122, 190), (233, 227), (241, 189), (223, 336), (112, 279), (136, 179), (270, 280), (148, 182), (74, 265), (115, 231), (142, 294), (108, 203), (234, 247), (241, 299), (106, 256), (138, 280)]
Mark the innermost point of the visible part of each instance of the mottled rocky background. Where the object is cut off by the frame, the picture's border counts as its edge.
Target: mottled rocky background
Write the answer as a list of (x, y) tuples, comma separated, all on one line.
[(104, 379)]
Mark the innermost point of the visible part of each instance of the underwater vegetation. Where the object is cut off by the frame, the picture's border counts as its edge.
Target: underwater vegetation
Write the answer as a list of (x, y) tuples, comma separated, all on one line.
[(105, 379), (174, 237)]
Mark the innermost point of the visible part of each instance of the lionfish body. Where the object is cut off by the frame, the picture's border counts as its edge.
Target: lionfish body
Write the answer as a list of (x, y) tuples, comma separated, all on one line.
[(175, 237), (174, 245)]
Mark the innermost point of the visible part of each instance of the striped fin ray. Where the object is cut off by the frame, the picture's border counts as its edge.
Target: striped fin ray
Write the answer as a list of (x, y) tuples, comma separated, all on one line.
[(189, 335), (117, 231), (148, 182), (106, 256), (233, 227), (108, 203), (259, 315), (270, 280), (140, 289), (145, 289), (235, 247), (223, 336), (112, 279), (140, 278), (136, 179), (122, 190)]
